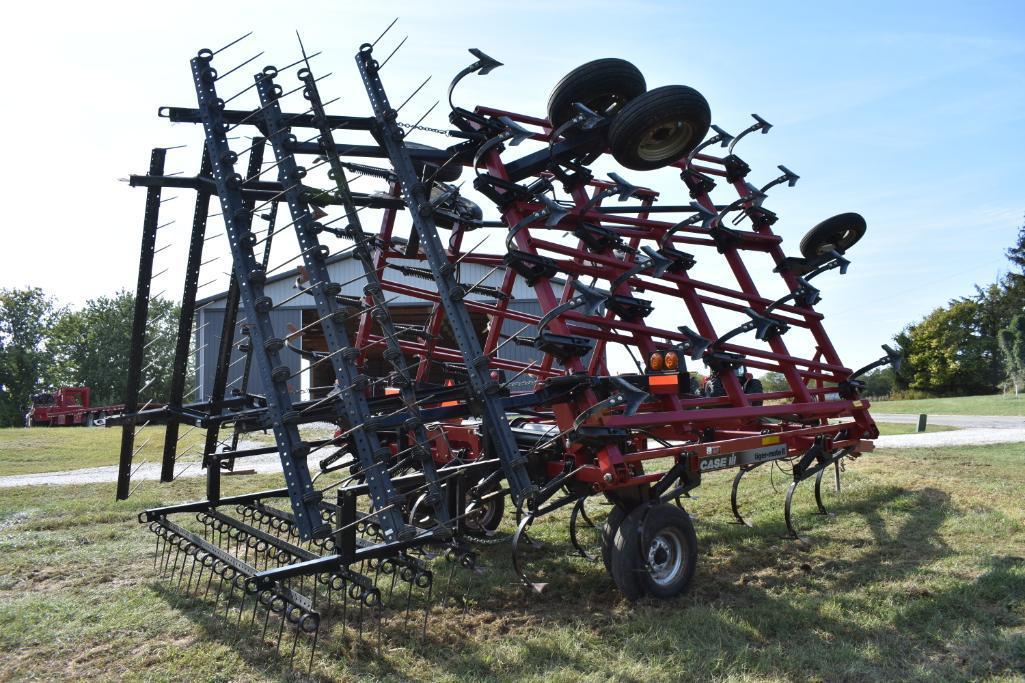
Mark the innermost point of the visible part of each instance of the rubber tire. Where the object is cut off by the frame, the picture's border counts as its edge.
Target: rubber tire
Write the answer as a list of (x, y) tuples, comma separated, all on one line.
[(448, 174), (499, 513), (754, 386), (599, 85), (625, 557), (840, 232), (608, 534), (649, 111), (659, 517)]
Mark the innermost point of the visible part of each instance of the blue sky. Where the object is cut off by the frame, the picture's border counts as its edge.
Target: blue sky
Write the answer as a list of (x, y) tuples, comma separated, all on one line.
[(909, 113)]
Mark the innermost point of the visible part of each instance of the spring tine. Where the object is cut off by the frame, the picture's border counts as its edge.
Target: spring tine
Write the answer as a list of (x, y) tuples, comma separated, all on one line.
[(413, 94), (392, 53), (295, 641), (281, 631), (409, 600), (233, 70), (176, 554), (345, 606), (256, 607), (182, 574), (209, 580), (313, 650), (234, 42), (266, 620), (379, 610), (228, 597), (448, 584), (427, 609), (374, 44)]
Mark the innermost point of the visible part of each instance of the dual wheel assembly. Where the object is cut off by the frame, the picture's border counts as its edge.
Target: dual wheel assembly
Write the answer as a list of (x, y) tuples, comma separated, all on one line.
[(650, 550), (648, 129)]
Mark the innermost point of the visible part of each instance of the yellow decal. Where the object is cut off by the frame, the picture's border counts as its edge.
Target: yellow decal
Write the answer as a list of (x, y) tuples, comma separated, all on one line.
[(769, 440)]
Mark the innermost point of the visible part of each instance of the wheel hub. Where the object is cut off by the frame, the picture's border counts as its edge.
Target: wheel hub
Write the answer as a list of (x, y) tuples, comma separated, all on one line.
[(665, 557), (664, 141)]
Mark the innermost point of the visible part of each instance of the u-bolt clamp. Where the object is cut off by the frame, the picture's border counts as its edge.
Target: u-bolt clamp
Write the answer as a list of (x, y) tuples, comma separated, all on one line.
[(552, 211), (656, 263), (722, 138), (624, 189), (512, 132), (589, 299)]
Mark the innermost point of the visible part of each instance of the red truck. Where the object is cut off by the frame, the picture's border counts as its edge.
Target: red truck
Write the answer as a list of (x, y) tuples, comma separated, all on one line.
[(69, 406)]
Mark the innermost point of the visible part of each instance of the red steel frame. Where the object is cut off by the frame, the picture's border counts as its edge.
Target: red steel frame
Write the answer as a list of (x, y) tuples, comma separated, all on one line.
[(679, 417)]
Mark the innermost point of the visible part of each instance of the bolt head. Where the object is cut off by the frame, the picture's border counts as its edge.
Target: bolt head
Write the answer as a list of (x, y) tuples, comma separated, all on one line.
[(608, 477)]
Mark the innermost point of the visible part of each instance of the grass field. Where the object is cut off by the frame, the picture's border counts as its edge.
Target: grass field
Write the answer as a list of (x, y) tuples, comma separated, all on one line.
[(54, 449), (996, 404), (919, 576), (40, 449)]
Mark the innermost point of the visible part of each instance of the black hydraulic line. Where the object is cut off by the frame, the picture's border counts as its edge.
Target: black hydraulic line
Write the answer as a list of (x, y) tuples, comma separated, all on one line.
[(149, 238), (185, 320)]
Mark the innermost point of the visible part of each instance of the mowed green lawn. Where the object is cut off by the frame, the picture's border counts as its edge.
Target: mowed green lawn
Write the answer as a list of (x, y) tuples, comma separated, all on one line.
[(919, 576), (55, 449), (996, 404)]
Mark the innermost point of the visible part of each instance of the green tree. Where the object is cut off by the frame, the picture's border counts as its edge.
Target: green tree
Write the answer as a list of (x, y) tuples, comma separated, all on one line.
[(879, 382), (92, 347), (1016, 254), (945, 353), (774, 381), (26, 317), (1012, 347)]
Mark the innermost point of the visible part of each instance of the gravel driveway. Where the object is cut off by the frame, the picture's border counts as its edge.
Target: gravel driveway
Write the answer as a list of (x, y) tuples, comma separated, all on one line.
[(1012, 430), (967, 421)]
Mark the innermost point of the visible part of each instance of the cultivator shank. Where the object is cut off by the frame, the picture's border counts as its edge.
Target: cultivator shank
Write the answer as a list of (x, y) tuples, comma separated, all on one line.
[(433, 440)]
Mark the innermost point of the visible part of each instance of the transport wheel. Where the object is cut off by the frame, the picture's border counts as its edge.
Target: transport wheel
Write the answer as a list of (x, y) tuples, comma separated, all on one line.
[(625, 555), (655, 552), (608, 534), (483, 524), (447, 174), (455, 208), (659, 127), (603, 86), (754, 386), (838, 233)]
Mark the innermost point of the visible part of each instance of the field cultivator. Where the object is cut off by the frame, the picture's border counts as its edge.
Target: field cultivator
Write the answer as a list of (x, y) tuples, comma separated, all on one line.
[(431, 452)]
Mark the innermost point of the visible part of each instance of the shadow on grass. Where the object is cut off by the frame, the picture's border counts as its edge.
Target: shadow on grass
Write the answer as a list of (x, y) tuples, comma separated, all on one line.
[(871, 610)]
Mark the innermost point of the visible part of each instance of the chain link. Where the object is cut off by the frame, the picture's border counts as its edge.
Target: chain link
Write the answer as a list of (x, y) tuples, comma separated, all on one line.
[(425, 128)]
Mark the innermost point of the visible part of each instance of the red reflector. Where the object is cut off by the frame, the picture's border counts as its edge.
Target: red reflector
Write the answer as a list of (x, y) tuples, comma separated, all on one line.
[(661, 384)]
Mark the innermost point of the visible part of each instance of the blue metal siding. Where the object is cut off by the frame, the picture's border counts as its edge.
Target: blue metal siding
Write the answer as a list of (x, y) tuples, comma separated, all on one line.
[(208, 341)]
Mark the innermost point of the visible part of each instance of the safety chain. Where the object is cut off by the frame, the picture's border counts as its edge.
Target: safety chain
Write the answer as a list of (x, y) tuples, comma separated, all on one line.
[(425, 128)]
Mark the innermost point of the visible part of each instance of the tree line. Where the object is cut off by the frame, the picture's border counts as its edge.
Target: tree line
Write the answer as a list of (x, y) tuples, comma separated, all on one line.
[(44, 345), (975, 344)]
